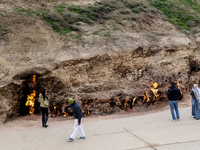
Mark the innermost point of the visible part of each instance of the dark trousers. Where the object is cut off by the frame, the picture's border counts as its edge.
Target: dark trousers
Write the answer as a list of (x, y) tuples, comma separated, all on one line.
[(45, 116)]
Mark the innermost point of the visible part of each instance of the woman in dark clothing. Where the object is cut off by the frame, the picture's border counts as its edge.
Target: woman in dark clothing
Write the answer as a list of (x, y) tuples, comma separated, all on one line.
[(44, 104), (195, 101)]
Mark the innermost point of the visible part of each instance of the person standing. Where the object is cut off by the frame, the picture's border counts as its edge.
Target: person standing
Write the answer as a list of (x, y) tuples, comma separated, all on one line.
[(78, 119), (195, 101), (44, 104), (173, 95)]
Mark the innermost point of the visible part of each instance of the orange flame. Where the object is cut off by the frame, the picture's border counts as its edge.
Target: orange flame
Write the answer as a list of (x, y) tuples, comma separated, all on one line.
[(54, 111), (31, 99), (133, 103), (155, 90), (178, 85), (88, 112), (144, 98), (58, 112), (65, 114), (147, 96), (125, 103), (34, 76)]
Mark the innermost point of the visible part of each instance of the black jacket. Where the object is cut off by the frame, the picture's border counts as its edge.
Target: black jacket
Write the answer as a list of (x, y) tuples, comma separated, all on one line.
[(173, 93), (76, 111)]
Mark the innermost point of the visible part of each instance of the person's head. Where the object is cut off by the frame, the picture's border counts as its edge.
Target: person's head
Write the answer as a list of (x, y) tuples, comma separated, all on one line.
[(71, 101), (173, 84), (195, 86), (44, 93)]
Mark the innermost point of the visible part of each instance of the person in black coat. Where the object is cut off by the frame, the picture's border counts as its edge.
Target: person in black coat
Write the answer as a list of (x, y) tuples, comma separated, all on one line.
[(173, 95)]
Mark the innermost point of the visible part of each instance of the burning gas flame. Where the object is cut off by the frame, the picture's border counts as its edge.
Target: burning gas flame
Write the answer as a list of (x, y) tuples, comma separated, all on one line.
[(31, 98), (88, 112), (125, 104), (155, 90), (178, 85), (54, 110), (58, 112), (133, 103), (155, 85), (65, 114), (146, 97)]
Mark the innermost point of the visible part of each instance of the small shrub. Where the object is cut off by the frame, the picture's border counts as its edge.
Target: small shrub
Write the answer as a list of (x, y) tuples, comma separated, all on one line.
[(54, 17), (60, 8), (79, 35), (102, 21), (73, 28), (193, 23), (124, 12), (107, 34), (56, 26), (131, 4), (194, 31), (98, 12), (95, 32), (71, 18)]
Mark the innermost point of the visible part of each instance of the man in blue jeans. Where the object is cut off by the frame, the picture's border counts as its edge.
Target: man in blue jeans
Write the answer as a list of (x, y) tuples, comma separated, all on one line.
[(173, 95)]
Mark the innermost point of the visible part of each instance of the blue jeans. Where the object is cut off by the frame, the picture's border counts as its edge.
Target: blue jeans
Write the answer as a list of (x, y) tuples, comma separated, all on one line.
[(174, 105)]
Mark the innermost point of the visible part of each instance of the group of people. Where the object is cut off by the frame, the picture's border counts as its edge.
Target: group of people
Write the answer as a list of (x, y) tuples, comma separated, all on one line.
[(174, 95), (77, 112)]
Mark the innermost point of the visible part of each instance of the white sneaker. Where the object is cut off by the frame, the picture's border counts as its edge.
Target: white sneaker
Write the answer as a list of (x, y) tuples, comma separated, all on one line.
[(173, 120)]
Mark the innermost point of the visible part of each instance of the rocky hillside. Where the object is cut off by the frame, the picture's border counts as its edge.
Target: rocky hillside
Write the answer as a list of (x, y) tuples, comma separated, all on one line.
[(105, 54)]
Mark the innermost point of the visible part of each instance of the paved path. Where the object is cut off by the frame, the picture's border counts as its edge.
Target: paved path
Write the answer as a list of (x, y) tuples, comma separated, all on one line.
[(153, 131)]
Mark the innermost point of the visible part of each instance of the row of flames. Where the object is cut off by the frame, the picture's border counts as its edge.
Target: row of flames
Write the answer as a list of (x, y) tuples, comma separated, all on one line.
[(56, 112), (31, 98), (146, 98)]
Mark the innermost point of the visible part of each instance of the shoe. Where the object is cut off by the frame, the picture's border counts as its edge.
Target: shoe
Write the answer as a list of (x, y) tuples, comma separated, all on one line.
[(173, 120), (46, 126), (81, 137), (70, 139), (194, 117)]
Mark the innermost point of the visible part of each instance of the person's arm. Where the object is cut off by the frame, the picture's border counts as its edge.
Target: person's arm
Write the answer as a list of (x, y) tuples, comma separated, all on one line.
[(40, 98), (68, 106), (79, 113)]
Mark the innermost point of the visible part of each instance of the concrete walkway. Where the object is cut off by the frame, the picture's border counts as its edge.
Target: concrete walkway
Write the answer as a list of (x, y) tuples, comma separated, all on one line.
[(153, 131)]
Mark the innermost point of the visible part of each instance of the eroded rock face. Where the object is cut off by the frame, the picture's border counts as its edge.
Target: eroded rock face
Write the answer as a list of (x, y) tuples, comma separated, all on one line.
[(99, 73)]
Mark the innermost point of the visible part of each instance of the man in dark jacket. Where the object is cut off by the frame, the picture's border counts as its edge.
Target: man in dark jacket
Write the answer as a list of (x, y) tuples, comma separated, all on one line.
[(173, 95), (78, 118)]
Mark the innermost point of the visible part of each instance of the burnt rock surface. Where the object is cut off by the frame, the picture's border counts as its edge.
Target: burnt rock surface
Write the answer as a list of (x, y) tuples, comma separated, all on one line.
[(103, 75)]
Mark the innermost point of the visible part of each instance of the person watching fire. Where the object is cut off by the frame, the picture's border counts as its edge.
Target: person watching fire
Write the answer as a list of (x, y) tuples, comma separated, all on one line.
[(44, 104), (173, 95), (195, 93), (78, 119)]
